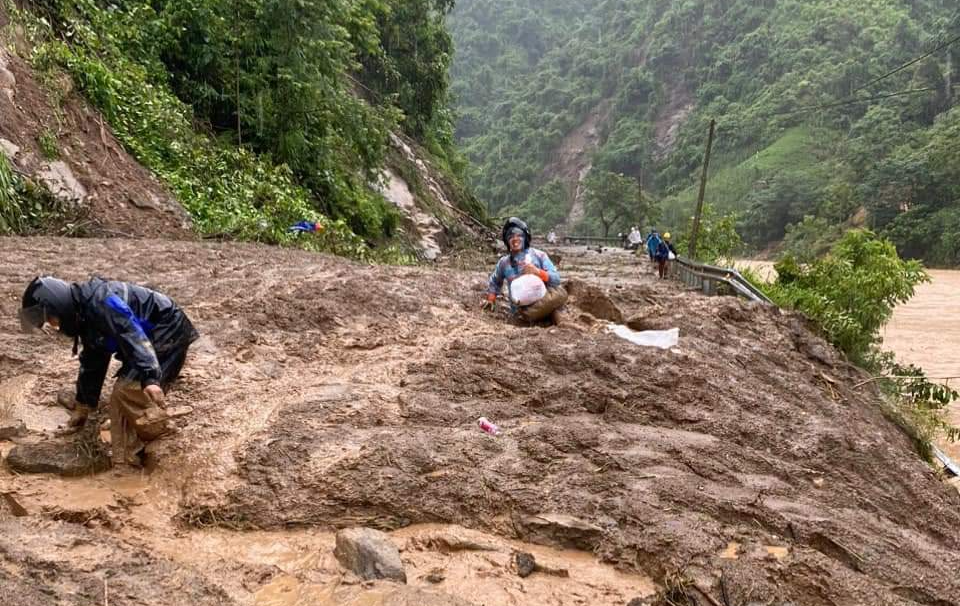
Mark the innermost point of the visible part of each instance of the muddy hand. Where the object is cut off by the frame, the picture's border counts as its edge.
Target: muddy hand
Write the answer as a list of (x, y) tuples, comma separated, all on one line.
[(487, 306), (531, 269), (155, 393)]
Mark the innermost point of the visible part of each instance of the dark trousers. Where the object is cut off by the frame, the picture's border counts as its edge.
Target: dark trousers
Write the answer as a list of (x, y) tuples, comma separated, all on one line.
[(662, 267)]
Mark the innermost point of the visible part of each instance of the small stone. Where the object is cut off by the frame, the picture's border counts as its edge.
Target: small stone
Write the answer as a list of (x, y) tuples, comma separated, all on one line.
[(370, 554), (434, 577), (526, 563)]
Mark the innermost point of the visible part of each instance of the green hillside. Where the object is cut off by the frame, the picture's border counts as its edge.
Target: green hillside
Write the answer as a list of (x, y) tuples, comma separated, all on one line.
[(528, 72), (260, 113)]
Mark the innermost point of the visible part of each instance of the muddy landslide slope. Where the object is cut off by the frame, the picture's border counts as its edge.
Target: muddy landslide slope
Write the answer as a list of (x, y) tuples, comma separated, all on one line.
[(330, 393)]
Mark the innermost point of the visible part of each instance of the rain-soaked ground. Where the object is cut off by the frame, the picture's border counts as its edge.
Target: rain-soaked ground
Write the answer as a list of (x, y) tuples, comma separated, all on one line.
[(741, 465)]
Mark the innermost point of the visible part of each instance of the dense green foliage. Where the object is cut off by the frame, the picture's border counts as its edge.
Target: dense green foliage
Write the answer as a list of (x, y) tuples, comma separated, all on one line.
[(529, 72), (850, 292), (613, 199), (261, 113), (547, 207), (717, 238), (25, 207)]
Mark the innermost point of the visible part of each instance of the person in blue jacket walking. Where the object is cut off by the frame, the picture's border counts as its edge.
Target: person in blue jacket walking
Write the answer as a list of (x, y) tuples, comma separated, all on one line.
[(653, 241)]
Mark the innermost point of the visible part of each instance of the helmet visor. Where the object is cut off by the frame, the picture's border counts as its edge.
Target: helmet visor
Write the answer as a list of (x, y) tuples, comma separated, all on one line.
[(32, 318)]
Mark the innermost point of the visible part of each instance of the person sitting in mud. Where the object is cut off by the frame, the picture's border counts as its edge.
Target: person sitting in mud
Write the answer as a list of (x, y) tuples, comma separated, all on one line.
[(146, 331), (522, 260)]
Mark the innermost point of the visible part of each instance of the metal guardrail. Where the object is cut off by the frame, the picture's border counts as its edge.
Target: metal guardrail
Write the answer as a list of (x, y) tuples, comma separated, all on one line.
[(708, 277), (587, 239)]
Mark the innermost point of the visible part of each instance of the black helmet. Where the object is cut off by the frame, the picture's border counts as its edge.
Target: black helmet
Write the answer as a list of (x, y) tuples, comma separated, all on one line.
[(515, 223), (44, 297)]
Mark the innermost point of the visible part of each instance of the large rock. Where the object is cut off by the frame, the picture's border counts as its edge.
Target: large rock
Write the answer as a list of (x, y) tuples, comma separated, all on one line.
[(61, 182), (65, 459), (369, 554)]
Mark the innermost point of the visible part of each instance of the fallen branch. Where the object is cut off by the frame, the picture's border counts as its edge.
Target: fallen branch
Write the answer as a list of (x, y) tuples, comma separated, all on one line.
[(710, 598)]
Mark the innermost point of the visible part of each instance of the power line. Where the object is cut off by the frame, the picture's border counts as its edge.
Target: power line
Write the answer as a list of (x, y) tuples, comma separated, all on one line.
[(854, 101), (907, 64)]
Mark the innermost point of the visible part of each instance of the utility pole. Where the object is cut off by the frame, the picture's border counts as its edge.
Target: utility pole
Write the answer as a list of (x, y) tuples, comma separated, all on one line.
[(641, 215), (703, 188), (236, 52)]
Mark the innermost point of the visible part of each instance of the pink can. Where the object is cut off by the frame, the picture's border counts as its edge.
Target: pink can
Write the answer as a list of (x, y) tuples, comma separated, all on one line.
[(487, 426)]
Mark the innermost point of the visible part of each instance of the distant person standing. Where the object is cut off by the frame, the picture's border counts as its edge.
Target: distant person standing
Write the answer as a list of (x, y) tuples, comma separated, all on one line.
[(653, 241), (662, 255), (552, 237)]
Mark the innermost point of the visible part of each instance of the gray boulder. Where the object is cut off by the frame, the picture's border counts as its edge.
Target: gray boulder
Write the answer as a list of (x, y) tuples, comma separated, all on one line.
[(369, 554)]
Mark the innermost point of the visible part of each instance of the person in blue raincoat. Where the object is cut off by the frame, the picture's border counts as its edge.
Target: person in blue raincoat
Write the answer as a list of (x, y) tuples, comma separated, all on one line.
[(522, 259), (143, 328)]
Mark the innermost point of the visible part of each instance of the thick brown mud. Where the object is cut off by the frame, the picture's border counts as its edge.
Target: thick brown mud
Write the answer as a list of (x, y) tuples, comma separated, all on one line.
[(330, 394)]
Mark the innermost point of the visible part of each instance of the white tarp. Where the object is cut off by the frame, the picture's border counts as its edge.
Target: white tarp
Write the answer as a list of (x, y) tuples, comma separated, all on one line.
[(664, 339)]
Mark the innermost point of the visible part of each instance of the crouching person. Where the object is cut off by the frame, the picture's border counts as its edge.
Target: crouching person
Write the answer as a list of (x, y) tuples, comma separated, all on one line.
[(537, 301), (144, 329)]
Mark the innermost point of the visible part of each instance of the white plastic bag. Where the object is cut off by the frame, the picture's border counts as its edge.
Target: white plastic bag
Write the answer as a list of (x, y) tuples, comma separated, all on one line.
[(664, 339), (527, 290), (671, 256)]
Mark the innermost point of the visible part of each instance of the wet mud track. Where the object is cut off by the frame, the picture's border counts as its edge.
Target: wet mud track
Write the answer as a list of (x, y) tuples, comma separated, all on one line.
[(742, 464)]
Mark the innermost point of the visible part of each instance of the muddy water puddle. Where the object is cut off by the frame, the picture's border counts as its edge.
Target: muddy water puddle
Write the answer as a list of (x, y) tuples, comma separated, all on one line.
[(487, 574), (298, 568)]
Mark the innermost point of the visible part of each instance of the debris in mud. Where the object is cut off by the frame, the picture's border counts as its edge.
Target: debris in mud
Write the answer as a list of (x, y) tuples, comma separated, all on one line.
[(12, 430), (593, 300), (526, 563), (370, 554), (448, 542), (488, 427), (663, 339), (91, 518), (561, 529), (66, 459), (9, 504), (435, 576)]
